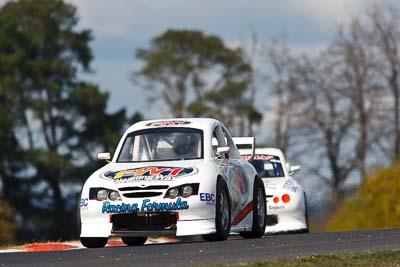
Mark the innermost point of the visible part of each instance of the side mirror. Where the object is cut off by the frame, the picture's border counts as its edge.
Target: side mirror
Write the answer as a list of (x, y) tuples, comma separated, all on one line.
[(222, 150), (293, 169), (104, 156)]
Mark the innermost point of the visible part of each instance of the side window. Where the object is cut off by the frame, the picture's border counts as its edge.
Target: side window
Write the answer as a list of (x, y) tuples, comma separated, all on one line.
[(278, 170), (218, 140), (233, 152), (273, 168), (214, 143)]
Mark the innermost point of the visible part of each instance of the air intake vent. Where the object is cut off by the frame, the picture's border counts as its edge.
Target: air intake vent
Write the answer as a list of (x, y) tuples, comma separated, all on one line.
[(137, 188), (144, 221), (142, 194)]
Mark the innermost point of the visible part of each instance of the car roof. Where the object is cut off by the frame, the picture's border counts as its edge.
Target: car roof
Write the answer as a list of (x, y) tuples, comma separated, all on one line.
[(269, 151), (197, 123), (263, 151)]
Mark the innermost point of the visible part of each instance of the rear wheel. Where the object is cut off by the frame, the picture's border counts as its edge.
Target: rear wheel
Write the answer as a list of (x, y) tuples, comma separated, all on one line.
[(259, 211), (94, 242), (306, 215), (134, 241), (222, 214)]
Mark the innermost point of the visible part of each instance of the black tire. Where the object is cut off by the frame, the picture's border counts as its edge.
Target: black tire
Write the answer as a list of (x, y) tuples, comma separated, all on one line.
[(78, 214), (307, 230), (222, 214), (94, 242), (134, 241), (259, 211), (78, 218)]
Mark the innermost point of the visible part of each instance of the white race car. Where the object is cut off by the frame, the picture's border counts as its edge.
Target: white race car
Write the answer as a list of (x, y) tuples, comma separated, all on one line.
[(286, 199), (172, 177)]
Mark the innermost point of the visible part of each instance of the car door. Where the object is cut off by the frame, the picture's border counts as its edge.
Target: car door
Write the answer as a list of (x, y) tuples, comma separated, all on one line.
[(232, 166)]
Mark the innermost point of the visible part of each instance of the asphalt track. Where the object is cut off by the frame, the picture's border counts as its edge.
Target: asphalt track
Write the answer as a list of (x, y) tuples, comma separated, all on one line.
[(234, 250)]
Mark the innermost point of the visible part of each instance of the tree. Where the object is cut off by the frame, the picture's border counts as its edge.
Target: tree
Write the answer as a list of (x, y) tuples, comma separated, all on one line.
[(327, 123), (58, 121), (385, 37), (284, 96), (339, 110), (10, 166), (191, 73), (359, 78), (312, 116)]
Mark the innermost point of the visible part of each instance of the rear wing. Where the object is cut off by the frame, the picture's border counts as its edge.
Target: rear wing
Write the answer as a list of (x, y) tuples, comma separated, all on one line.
[(245, 145)]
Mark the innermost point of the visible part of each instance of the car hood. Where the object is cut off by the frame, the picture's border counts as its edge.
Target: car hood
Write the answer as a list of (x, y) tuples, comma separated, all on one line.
[(121, 173)]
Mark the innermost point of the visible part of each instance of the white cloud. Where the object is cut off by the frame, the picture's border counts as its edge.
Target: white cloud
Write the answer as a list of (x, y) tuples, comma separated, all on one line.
[(142, 19), (327, 13)]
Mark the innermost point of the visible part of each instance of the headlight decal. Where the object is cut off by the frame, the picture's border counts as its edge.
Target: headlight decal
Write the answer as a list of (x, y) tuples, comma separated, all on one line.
[(180, 190), (95, 192)]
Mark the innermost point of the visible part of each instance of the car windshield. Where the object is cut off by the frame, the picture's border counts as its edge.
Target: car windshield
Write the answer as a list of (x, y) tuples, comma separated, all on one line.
[(162, 144), (267, 166)]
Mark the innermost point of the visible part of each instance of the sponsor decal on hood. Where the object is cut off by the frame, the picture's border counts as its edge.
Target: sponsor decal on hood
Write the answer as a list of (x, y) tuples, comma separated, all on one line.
[(167, 123), (258, 157), (148, 174)]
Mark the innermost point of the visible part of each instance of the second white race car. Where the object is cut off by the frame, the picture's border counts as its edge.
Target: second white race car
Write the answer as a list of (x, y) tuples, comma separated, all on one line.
[(286, 199)]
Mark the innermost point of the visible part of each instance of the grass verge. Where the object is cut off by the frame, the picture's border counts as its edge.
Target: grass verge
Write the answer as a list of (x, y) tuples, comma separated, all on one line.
[(389, 258)]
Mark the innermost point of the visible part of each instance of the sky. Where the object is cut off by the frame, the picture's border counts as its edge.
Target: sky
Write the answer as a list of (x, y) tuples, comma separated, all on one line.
[(120, 27)]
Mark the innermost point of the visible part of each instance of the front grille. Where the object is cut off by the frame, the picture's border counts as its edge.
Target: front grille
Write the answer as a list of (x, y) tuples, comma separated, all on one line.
[(272, 220), (142, 194), (144, 221), (138, 188)]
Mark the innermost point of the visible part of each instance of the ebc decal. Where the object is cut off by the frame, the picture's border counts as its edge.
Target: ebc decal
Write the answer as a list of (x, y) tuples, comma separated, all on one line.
[(146, 206), (167, 123), (149, 174), (208, 198)]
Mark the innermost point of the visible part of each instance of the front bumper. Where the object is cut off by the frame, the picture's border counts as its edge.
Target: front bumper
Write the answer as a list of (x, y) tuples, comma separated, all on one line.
[(155, 217), (183, 228)]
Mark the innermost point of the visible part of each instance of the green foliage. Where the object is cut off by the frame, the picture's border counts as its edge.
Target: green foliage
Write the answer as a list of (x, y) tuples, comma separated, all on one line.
[(7, 224), (52, 124), (194, 74), (376, 204)]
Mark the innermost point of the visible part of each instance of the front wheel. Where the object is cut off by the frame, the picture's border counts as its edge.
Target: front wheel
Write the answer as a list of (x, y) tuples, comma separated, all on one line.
[(259, 211), (94, 242), (222, 214), (134, 241)]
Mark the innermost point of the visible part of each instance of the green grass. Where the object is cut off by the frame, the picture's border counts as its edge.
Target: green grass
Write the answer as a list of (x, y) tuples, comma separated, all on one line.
[(383, 258)]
